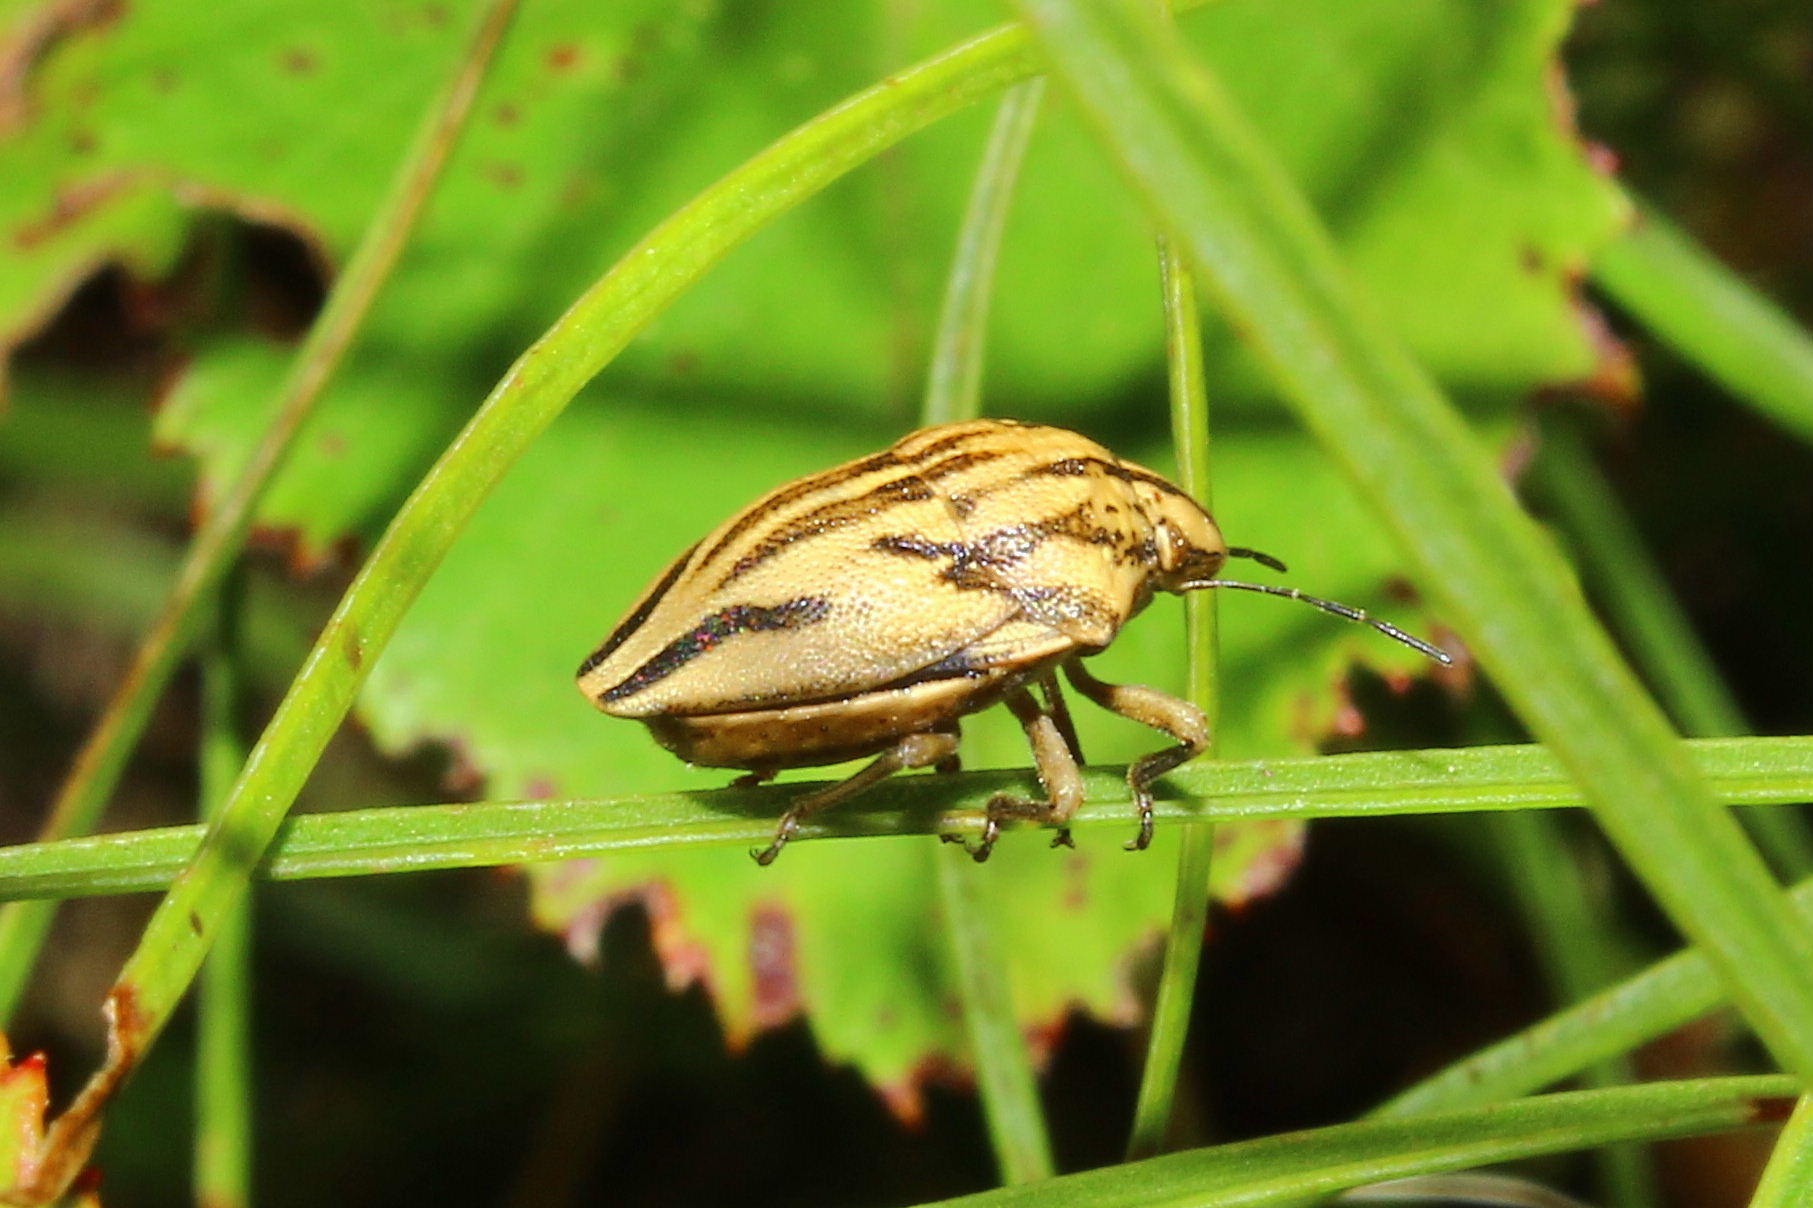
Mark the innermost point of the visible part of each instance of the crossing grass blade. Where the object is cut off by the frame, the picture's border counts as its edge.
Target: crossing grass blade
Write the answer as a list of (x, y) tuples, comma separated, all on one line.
[(1207, 177)]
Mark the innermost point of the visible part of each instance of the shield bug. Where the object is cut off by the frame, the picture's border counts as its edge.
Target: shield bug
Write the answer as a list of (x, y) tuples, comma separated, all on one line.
[(862, 611)]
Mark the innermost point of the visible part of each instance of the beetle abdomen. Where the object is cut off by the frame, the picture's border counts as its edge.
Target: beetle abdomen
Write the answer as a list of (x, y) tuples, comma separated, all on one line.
[(828, 732)]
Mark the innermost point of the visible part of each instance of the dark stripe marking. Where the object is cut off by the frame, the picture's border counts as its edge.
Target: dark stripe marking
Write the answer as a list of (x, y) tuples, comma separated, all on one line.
[(635, 620), (908, 488), (957, 665), (830, 480), (959, 462), (792, 494), (722, 624), (1006, 546), (955, 440), (839, 513), (1078, 467)]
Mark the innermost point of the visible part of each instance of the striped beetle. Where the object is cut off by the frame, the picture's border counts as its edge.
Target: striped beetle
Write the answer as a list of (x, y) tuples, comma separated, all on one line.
[(863, 610)]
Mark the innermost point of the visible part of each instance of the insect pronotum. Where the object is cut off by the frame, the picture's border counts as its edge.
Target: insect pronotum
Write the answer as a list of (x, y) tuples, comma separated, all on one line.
[(862, 611)]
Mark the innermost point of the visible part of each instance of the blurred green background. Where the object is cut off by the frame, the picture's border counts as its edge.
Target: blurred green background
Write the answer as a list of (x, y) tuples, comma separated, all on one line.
[(180, 191)]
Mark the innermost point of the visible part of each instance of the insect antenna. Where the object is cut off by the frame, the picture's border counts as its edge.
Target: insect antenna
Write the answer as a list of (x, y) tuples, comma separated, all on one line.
[(1341, 610), (1263, 559)]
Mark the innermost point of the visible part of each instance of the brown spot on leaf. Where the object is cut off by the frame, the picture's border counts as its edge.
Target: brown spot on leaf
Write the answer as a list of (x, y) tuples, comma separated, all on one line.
[(300, 60), (165, 79), (353, 648), (563, 57), (195, 922), (504, 175), (773, 960), (1530, 259), (128, 1026), (506, 114), (1400, 589), (684, 362)]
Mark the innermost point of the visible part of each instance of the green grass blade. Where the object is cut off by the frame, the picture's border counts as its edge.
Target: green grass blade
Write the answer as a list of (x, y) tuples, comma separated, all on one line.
[(1637, 1010), (953, 385), (1208, 178), (598, 325), (1756, 771), (1622, 577), (1177, 980), (1293, 1167), (1625, 581), (1788, 1179), (223, 1042), (1579, 955), (1009, 1087), (103, 756), (1709, 315)]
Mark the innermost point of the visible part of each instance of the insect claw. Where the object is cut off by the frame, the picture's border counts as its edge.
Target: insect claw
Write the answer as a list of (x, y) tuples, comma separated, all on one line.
[(1142, 840), (991, 830), (979, 850), (1063, 839), (782, 833)]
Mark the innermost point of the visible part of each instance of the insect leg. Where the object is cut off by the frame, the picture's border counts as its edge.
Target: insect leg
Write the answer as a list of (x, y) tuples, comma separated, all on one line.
[(1058, 772), (1059, 709), (913, 751), (1060, 713), (1149, 707), (951, 764)]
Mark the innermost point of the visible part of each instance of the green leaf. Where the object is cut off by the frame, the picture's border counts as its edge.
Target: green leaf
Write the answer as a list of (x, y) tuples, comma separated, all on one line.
[(98, 764), (795, 347)]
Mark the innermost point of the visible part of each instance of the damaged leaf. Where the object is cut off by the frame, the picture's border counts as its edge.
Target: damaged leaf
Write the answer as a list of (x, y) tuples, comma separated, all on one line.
[(1432, 138)]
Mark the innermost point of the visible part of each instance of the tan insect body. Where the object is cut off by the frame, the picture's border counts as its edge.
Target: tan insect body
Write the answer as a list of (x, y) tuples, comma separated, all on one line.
[(863, 610)]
